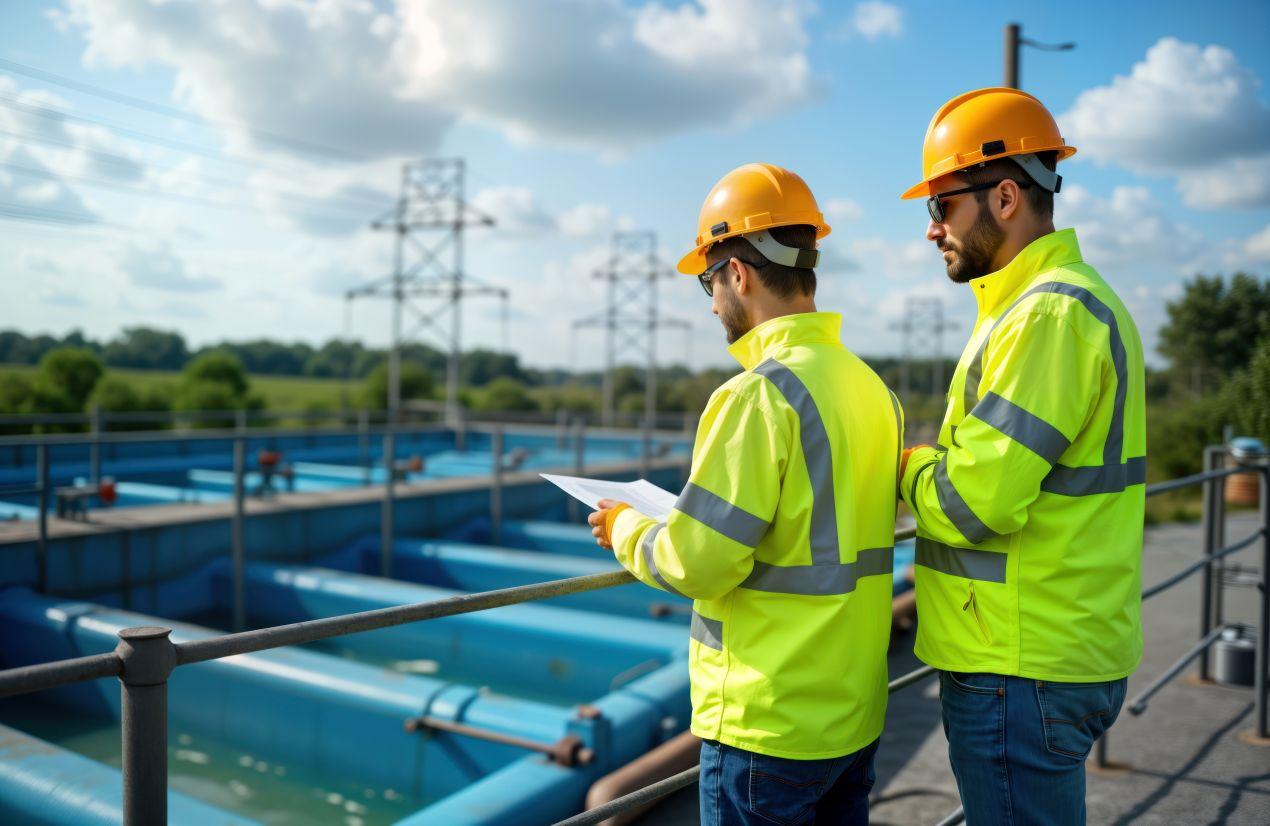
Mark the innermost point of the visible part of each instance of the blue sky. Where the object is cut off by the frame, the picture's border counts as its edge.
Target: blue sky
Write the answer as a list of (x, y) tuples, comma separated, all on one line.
[(578, 117)]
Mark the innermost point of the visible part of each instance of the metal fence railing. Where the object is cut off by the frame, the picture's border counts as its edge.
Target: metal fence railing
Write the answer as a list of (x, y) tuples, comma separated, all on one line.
[(145, 657)]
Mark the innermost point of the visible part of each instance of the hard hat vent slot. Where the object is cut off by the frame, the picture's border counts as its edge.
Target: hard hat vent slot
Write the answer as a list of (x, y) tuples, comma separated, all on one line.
[(719, 228)]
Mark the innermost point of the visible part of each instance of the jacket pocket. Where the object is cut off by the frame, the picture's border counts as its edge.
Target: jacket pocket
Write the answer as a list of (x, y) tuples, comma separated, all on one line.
[(971, 607), (1075, 715)]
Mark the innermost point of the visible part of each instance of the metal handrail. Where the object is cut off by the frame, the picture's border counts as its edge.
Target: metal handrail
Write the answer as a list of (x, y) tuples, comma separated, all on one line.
[(145, 657)]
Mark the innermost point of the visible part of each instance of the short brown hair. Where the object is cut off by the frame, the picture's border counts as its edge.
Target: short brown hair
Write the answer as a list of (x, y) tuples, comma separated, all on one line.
[(781, 280), (1040, 199)]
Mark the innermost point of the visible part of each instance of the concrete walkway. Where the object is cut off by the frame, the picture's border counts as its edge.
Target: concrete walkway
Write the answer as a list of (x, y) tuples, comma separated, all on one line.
[(1186, 760)]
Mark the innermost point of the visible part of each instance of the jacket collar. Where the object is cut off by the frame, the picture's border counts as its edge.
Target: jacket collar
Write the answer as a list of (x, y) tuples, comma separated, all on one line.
[(800, 328), (1057, 249)]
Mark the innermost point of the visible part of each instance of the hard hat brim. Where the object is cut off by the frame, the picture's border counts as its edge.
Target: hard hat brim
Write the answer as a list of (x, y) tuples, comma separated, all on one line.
[(922, 188), (694, 263)]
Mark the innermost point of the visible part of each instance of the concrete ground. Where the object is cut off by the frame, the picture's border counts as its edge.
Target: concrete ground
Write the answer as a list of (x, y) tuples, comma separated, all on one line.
[(1186, 760)]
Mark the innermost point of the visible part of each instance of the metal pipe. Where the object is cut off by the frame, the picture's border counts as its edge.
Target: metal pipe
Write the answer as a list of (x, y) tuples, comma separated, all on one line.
[(644, 796), (31, 678), (1140, 704), (386, 510), (238, 550), (672, 757), (953, 818), (1219, 539), (1100, 750), (363, 442), (579, 463), (1206, 585), (646, 447), (1263, 625), (42, 542), (496, 488), (1193, 479), (298, 633), (1206, 562), (147, 657), (914, 676), (568, 751)]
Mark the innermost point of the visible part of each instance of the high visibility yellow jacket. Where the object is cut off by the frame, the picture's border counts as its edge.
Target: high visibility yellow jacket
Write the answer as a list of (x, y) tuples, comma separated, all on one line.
[(1029, 511), (783, 537)]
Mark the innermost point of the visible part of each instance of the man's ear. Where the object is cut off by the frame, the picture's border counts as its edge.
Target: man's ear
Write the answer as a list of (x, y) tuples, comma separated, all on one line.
[(1008, 197), (740, 275)]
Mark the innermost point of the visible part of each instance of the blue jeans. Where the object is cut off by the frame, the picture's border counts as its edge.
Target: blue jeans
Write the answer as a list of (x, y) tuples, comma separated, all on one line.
[(1018, 746), (741, 787)]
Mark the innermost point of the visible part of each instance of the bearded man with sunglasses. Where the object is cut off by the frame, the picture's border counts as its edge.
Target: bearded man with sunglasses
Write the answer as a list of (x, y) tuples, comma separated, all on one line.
[(783, 536), (1029, 510)]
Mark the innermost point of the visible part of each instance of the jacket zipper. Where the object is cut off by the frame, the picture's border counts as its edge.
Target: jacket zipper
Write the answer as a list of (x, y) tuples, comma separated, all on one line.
[(972, 605)]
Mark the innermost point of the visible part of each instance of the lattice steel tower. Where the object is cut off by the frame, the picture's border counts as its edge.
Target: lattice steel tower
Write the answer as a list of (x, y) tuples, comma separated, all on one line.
[(630, 320), (923, 328), (428, 278)]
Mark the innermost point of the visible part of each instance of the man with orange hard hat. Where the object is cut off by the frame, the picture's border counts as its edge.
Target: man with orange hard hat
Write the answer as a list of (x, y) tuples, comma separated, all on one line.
[(1029, 510), (783, 536)]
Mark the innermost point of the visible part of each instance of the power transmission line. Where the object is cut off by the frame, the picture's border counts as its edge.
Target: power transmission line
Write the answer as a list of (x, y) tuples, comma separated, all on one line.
[(630, 319), (428, 263), (14, 67)]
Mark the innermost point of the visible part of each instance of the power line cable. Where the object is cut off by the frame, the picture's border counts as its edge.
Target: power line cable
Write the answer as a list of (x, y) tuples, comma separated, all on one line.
[(14, 67)]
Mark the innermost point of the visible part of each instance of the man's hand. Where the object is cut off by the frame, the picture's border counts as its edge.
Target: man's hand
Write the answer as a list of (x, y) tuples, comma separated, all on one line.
[(601, 521)]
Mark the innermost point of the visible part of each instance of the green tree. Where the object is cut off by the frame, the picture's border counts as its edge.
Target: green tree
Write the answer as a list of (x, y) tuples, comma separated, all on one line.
[(147, 349), (506, 395), (115, 394), (71, 372), (416, 383), (216, 381), (1214, 327)]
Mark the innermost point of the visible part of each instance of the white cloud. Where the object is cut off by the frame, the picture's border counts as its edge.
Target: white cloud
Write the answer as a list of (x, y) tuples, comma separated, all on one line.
[(1129, 229), (590, 221), (158, 267), (875, 20), (515, 210), (1257, 247), (597, 74), (842, 211), (1187, 111)]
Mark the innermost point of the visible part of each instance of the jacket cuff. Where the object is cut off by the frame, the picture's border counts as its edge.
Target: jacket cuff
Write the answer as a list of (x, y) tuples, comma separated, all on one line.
[(918, 460)]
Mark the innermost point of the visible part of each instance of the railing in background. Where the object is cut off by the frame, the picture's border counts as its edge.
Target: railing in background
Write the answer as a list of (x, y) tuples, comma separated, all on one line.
[(145, 657)]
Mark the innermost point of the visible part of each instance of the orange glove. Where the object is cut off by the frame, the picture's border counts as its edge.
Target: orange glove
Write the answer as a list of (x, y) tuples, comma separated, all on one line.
[(602, 520), (908, 451)]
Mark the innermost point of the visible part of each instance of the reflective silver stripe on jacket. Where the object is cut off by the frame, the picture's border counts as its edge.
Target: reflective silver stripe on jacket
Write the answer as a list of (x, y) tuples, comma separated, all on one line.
[(970, 563), (647, 547), (721, 516), (1028, 429), (955, 507), (1112, 476), (817, 456), (820, 580), (706, 631)]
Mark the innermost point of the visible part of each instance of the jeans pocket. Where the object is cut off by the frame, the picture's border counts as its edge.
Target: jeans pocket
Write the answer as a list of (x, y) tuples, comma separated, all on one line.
[(975, 683), (1075, 715), (786, 791)]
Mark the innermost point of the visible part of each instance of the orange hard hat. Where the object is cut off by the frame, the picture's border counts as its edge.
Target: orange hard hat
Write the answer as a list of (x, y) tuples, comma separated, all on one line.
[(749, 199), (984, 125)]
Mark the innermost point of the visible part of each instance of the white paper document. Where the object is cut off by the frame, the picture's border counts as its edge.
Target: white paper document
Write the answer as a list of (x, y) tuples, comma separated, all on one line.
[(642, 495)]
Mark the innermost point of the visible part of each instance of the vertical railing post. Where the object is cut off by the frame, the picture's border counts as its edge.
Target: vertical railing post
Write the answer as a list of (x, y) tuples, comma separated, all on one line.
[(386, 513), (42, 502), (646, 447), (148, 658), (94, 449), (238, 550), (1210, 490), (579, 462), (460, 428), (562, 428), (1100, 751), (1263, 625), (496, 487), (363, 443)]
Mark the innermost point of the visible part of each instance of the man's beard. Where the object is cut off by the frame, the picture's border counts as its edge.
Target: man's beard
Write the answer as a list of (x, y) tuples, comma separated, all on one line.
[(736, 322), (973, 258)]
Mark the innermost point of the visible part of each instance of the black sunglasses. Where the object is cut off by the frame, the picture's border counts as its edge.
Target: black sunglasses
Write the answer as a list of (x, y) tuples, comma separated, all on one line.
[(707, 277), (935, 205)]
